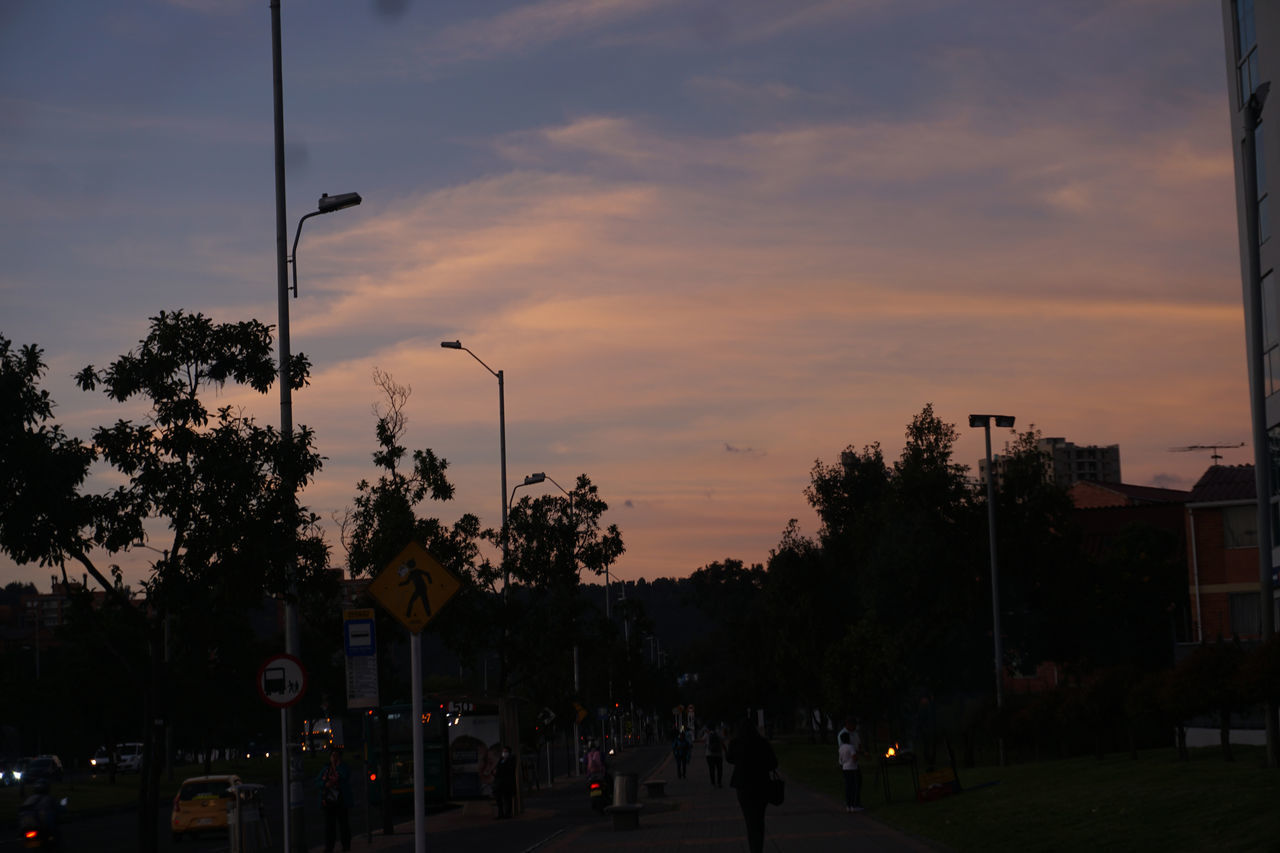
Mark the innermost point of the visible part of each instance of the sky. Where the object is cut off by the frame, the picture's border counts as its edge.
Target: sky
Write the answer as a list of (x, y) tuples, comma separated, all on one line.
[(708, 242)]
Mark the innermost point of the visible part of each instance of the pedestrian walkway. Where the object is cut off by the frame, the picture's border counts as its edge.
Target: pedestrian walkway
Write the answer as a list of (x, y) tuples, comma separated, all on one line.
[(693, 817)]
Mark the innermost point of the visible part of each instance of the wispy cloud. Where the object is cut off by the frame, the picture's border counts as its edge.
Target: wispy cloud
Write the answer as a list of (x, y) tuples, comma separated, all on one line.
[(530, 27)]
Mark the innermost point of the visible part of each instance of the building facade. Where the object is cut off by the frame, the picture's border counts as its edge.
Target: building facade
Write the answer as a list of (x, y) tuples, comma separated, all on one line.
[(1068, 464), (1222, 554), (1252, 40)]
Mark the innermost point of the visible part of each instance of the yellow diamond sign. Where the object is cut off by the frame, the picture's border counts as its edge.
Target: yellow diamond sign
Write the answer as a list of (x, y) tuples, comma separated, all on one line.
[(414, 586)]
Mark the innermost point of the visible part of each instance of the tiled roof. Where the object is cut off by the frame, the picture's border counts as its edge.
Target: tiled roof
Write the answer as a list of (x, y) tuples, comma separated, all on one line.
[(1087, 494), (1224, 483)]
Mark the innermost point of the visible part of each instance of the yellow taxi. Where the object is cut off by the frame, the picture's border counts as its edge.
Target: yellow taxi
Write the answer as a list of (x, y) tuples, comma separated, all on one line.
[(201, 805)]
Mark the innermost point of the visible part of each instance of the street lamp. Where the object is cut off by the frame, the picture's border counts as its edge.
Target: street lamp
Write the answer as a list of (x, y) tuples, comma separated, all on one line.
[(508, 729), (327, 204), (530, 480), (502, 442), (539, 477), (984, 421)]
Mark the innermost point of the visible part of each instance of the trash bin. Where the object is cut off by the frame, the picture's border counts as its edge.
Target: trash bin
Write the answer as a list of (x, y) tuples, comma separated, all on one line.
[(246, 820), (624, 789)]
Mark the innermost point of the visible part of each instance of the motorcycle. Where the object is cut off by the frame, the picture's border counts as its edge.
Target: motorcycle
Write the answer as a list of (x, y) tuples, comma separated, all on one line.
[(38, 821), (600, 789)]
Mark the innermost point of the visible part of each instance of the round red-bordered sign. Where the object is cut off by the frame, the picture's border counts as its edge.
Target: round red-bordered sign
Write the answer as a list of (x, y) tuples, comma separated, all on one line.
[(282, 680)]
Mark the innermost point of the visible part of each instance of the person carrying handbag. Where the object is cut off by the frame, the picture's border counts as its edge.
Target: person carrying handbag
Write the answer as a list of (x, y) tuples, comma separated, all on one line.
[(753, 763)]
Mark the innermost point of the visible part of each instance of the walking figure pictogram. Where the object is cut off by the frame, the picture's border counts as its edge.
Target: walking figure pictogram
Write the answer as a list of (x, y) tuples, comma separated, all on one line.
[(410, 574)]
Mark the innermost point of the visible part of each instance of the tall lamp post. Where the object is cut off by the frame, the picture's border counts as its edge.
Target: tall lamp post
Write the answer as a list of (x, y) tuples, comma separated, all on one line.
[(502, 444), (577, 688), (508, 729), (294, 835), (291, 764), (984, 421)]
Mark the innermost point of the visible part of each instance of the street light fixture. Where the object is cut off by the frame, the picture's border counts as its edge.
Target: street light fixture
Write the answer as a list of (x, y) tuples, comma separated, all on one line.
[(292, 644), (530, 480), (984, 421), (508, 729), (502, 441), (327, 204)]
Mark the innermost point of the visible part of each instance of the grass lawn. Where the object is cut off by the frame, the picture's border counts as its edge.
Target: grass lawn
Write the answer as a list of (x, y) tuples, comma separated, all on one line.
[(1154, 803)]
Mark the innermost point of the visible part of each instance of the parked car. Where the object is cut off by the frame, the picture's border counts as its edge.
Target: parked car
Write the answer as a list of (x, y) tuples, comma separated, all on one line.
[(102, 760), (16, 769), (201, 805), (257, 749), (47, 767), (129, 756)]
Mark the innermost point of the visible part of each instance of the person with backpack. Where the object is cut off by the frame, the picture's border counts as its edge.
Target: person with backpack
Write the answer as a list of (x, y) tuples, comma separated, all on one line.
[(715, 757), (682, 750)]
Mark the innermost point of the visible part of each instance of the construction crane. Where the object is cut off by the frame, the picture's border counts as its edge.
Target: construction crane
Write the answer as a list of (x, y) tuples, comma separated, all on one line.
[(1215, 456)]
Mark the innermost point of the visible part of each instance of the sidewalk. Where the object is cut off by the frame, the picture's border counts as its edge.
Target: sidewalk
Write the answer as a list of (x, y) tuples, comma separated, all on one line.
[(693, 817)]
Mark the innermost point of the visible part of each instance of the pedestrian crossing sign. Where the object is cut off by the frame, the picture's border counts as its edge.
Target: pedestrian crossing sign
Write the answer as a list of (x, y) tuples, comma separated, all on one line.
[(413, 587)]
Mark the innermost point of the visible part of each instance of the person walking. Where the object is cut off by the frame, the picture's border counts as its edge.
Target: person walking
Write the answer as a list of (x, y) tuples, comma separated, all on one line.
[(848, 758), (715, 757), (682, 750), (504, 783), (335, 801), (753, 760)]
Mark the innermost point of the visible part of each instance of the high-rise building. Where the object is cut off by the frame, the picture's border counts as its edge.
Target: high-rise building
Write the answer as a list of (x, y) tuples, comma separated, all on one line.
[(1067, 463), (1073, 463), (1252, 33)]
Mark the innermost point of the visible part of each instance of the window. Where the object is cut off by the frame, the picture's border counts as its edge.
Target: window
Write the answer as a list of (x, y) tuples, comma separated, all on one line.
[(1246, 51), (1240, 526), (1245, 33), (1273, 445), (1245, 613), (1270, 334), (1260, 167)]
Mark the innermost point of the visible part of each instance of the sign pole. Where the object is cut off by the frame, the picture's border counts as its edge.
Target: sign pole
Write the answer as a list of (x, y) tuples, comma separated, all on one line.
[(282, 680), (284, 772), (413, 587), (419, 776)]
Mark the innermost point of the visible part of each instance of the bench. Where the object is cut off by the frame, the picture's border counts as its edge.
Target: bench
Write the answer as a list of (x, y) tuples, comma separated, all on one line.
[(938, 783), (656, 787), (625, 816)]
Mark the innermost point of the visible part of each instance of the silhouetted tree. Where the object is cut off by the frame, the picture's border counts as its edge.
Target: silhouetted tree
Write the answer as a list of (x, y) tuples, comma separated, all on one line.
[(210, 477), (388, 514), (553, 540)]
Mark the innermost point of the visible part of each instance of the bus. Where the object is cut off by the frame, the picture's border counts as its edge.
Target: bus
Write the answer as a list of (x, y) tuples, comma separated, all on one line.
[(459, 749), (399, 723)]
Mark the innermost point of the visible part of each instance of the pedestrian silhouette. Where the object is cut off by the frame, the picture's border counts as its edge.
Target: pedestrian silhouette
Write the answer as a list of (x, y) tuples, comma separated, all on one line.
[(410, 574)]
